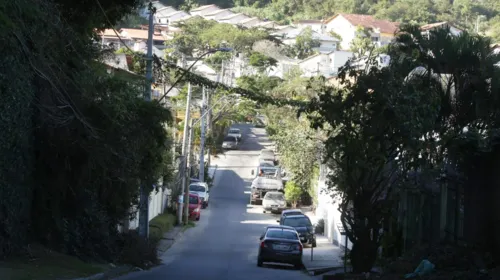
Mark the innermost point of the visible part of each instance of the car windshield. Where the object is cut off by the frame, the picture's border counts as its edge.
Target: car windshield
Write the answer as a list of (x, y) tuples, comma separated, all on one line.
[(193, 200), (282, 234), (197, 188), (268, 171), (277, 196), (297, 222), (229, 139)]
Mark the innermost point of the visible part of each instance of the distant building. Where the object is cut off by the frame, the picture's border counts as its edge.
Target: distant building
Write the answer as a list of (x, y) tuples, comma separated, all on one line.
[(382, 32), (433, 26)]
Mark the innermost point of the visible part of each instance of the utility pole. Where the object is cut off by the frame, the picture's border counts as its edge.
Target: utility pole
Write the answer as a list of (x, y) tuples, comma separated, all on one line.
[(144, 190), (188, 172), (186, 159), (202, 140)]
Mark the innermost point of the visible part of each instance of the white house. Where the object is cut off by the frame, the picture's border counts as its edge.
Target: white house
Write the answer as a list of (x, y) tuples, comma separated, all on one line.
[(164, 11), (250, 22), (203, 10), (433, 26), (110, 38), (284, 29), (219, 14), (324, 64), (315, 25), (234, 19), (346, 25), (327, 43)]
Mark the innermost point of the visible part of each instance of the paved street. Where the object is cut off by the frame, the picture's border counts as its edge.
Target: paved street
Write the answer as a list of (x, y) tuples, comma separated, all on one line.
[(225, 241)]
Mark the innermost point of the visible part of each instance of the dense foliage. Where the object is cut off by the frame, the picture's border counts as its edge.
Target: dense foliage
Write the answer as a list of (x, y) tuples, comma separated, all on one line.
[(431, 109), (77, 141)]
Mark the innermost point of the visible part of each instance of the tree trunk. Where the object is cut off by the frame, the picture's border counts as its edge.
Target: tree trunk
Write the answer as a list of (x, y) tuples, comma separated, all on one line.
[(363, 253)]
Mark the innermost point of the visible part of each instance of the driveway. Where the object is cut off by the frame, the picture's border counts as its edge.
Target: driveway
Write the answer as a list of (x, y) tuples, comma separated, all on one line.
[(224, 243)]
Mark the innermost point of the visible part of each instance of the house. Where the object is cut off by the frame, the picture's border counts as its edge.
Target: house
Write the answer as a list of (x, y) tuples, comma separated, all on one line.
[(110, 38), (267, 24), (234, 19), (141, 35), (433, 26), (163, 12), (327, 43), (315, 25), (324, 64), (172, 17), (284, 29), (346, 25), (249, 22), (218, 14), (203, 10)]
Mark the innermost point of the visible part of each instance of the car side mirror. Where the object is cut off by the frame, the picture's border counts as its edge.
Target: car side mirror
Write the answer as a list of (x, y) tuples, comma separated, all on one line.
[(261, 237), (253, 172)]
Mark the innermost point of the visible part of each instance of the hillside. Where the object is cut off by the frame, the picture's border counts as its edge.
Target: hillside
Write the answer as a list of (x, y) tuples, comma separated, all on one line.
[(467, 14)]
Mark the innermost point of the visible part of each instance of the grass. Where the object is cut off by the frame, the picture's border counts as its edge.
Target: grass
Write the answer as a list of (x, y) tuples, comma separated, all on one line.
[(161, 224), (44, 264), (189, 225)]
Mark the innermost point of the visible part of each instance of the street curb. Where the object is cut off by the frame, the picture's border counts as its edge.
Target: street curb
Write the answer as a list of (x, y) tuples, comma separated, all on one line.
[(215, 171), (112, 273), (172, 239)]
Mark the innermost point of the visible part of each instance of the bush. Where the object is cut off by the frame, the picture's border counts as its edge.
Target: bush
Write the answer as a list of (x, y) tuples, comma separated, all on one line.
[(320, 227), (161, 224), (138, 251), (293, 192)]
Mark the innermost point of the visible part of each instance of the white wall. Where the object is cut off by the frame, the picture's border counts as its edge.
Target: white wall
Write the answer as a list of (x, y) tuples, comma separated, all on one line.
[(317, 65), (328, 211), (339, 59), (343, 28), (327, 46), (314, 26), (157, 205)]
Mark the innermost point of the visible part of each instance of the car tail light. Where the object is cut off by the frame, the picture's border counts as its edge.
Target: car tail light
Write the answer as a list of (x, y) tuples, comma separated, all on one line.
[(263, 244), (299, 247)]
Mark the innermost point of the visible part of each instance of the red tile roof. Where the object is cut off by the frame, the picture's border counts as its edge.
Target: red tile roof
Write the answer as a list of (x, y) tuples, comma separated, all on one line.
[(141, 34), (368, 21), (436, 24)]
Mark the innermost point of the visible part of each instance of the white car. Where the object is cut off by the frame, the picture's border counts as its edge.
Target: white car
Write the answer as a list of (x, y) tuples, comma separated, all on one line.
[(235, 132), (274, 202), (201, 189)]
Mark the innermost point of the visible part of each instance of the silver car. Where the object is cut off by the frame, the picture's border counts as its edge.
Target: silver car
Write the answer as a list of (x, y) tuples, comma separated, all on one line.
[(230, 143)]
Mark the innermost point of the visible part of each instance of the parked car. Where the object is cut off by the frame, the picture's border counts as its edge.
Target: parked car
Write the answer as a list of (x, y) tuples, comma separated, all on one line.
[(280, 244), (274, 202), (202, 190), (302, 224), (235, 132), (230, 143), (289, 212), (194, 207)]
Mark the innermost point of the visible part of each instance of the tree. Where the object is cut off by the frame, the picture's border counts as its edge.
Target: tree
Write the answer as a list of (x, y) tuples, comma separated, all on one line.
[(304, 45), (373, 125), (261, 62), (362, 42), (293, 193)]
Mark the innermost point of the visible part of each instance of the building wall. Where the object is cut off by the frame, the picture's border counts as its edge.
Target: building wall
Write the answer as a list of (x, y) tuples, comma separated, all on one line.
[(343, 28), (314, 26), (339, 59)]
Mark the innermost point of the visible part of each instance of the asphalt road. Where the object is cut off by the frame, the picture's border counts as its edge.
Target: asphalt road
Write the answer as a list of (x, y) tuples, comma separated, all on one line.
[(225, 241)]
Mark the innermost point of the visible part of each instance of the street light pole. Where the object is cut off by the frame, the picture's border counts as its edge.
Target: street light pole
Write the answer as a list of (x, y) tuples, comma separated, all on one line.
[(144, 190), (184, 147), (202, 140)]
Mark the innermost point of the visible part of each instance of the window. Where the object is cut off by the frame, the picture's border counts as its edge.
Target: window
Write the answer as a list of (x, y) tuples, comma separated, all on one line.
[(297, 222), (196, 188), (278, 196), (229, 139), (282, 234), (193, 200), (375, 39)]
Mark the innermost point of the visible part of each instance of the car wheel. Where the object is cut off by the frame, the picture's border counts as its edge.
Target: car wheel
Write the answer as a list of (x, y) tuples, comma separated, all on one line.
[(198, 218), (259, 262)]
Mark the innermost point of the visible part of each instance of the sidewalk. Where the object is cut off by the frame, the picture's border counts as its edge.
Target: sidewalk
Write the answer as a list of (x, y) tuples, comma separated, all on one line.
[(169, 239), (212, 170), (325, 256)]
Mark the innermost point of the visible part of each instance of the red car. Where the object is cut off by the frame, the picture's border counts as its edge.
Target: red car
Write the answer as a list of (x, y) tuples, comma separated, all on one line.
[(195, 205)]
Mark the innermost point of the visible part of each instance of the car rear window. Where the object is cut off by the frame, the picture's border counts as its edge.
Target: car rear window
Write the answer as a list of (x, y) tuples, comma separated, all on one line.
[(297, 222), (234, 131), (196, 188), (274, 196), (193, 200), (282, 234), (291, 213), (229, 139)]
